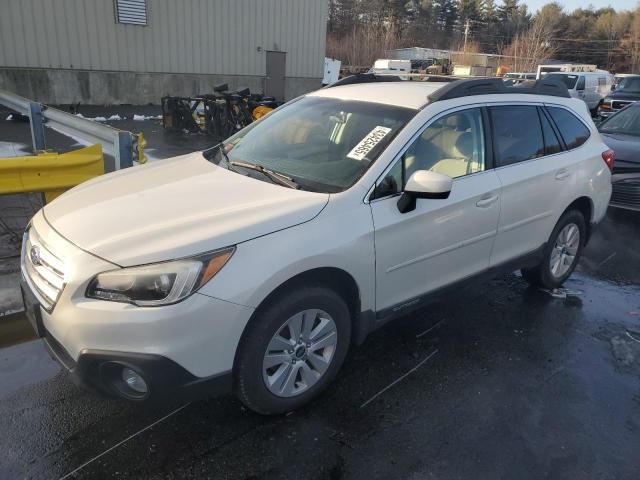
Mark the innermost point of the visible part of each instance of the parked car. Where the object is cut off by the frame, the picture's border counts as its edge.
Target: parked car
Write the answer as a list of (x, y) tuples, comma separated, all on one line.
[(592, 87), (627, 91), (514, 78), (618, 77), (255, 265), (622, 133)]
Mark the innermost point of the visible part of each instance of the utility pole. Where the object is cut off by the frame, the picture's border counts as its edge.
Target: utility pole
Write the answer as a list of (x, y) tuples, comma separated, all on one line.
[(466, 34)]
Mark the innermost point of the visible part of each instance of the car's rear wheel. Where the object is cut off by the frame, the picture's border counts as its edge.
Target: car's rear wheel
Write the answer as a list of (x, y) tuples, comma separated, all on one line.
[(292, 350), (561, 254)]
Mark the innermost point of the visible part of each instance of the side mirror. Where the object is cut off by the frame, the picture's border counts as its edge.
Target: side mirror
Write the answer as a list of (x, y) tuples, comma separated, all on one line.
[(424, 184)]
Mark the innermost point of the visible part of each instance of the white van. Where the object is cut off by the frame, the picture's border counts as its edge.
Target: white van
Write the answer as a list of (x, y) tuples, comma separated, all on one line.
[(592, 87), (384, 65)]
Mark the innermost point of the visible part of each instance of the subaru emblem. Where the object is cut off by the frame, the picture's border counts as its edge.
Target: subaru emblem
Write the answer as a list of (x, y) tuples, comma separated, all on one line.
[(34, 255)]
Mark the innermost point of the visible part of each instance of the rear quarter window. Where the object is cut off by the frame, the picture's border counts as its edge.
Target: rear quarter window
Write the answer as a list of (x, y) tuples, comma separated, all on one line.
[(573, 131)]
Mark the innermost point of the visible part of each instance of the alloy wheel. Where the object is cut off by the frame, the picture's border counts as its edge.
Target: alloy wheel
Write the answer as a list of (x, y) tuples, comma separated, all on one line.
[(565, 250), (299, 353)]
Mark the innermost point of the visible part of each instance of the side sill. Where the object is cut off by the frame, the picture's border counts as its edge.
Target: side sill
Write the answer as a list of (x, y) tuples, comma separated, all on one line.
[(388, 314)]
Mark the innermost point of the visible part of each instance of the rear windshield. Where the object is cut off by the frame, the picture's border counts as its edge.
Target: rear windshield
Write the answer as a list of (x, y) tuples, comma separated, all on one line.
[(569, 80)]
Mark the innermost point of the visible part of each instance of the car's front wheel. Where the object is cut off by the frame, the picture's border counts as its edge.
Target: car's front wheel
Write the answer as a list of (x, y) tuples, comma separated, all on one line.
[(292, 350), (562, 252)]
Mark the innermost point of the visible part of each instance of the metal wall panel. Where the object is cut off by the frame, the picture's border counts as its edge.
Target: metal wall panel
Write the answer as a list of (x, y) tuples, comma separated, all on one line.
[(182, 36)]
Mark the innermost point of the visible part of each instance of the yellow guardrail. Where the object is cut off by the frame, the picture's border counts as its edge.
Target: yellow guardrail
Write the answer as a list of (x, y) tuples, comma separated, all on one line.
[(51, 173)]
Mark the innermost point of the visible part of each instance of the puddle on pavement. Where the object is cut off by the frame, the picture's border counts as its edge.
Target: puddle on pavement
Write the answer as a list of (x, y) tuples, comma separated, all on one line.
[(14, 329)]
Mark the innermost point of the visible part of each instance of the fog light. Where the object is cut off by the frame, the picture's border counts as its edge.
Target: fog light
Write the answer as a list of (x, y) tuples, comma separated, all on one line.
[(134, 381)]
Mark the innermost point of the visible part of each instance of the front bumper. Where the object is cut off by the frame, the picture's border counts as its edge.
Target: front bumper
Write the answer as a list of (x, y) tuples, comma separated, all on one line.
[(189, 345), (100, 369)]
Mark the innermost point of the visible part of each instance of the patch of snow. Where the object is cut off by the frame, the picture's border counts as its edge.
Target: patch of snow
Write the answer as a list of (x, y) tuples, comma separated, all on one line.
[(99, 119), (114, 117), (10, 296), (80, 115), (12, 149), (140, 118)]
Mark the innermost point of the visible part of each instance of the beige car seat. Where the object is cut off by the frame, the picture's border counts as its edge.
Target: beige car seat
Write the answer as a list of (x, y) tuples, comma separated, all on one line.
[(446, 147)]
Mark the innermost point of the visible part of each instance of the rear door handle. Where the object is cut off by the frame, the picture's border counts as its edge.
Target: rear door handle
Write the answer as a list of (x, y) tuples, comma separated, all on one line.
[(562, 174), (487, 201)]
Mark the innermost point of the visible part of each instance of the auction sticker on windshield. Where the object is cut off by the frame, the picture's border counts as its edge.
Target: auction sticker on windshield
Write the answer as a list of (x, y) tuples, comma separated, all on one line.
[(368, 142)]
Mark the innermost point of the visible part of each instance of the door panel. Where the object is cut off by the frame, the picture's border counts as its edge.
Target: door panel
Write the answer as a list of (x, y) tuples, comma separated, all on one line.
[(275, 72), (529, 204), (441, 241), (534, 190)]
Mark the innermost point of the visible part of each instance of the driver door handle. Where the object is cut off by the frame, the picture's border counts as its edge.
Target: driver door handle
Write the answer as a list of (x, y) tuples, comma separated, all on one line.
[(562, 174), (487, 201)]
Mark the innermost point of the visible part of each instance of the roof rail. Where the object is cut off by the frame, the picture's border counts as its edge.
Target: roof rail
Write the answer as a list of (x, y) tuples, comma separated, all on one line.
[(390, 77), (486, 86), (365, 78)]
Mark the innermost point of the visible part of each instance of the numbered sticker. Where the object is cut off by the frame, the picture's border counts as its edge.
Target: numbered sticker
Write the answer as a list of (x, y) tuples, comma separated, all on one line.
[(368, 142)]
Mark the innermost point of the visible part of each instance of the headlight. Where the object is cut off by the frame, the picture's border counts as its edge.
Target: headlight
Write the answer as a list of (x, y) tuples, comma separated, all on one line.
[(160, 283)]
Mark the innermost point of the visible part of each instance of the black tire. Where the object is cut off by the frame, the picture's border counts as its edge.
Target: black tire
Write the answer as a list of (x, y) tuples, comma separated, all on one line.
[(249, 383), (541, 275)]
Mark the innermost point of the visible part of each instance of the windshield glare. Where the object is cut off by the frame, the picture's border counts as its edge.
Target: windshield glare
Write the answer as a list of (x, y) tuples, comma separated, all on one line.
[(629, 85), (626, 121), (324, 144)]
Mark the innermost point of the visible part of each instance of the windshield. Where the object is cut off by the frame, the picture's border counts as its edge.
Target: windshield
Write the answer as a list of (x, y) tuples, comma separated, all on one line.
[(629, 85), (322, 144), (626, 121), (569, 80)]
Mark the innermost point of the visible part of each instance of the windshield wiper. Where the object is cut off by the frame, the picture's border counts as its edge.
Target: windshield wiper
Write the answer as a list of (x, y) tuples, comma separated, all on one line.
[(223, 151), (281, 178)]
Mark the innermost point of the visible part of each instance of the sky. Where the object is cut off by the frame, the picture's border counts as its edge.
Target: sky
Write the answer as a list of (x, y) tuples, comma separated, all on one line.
[(570, 5)]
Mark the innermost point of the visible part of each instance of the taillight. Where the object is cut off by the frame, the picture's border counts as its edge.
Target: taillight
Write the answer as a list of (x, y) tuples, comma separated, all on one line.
[(605, 106), (609, 157)]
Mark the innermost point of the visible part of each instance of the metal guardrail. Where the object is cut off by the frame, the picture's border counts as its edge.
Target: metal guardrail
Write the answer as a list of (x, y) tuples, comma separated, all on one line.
[(124, 146), (51, 173)]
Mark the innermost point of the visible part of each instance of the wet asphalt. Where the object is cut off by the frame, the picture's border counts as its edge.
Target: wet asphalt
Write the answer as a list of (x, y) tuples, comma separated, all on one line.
[(500, 382)]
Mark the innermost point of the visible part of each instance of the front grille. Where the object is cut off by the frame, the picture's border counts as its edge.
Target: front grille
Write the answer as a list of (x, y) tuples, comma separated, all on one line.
[(43, 271), (617, 105), (626, 193)]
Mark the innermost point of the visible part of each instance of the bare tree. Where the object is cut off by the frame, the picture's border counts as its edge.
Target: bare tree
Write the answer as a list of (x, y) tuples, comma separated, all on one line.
[(364, 44), (531, 48)]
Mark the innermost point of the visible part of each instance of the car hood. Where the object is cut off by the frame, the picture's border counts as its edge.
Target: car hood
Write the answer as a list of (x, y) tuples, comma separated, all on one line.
[(175, 208), (626, 147), (620, 95)]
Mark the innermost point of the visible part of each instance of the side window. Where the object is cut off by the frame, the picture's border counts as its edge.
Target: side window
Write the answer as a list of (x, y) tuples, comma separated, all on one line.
[(551, 142), (517, 134), (580, 85), (452, 145), (573, 131)]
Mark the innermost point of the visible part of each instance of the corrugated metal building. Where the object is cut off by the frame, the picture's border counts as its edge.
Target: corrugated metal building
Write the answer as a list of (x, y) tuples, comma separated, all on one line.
[(134, 51)]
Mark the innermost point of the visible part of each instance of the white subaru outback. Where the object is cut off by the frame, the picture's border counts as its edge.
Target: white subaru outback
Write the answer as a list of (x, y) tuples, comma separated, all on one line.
[(252, 267)]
